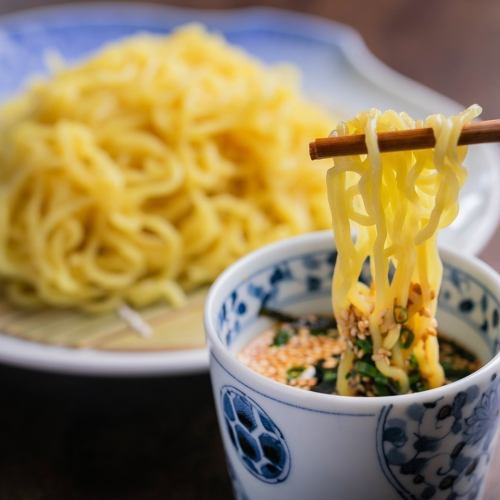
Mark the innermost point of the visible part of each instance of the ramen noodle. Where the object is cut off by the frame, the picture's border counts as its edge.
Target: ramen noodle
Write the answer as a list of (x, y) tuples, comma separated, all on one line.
[(142, 172), (396, 203)]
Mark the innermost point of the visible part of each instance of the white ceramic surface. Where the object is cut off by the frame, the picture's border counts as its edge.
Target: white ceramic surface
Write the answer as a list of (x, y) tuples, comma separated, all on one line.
[(287, 443), (339, 72)]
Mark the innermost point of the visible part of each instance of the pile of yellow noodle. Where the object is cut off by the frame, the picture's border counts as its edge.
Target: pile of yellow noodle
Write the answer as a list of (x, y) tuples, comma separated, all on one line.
[(144, 171), (395, 203)]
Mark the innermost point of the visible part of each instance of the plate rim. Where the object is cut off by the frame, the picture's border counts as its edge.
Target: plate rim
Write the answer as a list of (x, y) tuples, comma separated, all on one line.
[(362, 60)]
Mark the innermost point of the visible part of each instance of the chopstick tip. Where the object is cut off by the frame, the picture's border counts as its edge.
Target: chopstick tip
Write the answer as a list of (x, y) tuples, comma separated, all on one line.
[(313, 151)]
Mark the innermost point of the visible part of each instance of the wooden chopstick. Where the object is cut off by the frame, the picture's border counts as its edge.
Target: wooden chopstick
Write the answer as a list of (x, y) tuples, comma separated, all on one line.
[(419, 138)]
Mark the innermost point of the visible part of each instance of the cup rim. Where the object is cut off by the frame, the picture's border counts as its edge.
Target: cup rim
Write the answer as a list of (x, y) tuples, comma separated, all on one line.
[(484, 272)]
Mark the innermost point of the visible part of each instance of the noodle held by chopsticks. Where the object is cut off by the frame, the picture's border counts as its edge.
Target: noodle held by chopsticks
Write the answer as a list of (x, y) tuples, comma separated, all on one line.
[(395, 203)]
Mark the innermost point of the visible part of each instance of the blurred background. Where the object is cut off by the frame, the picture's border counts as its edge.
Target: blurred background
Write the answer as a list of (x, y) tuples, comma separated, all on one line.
[(72, 438), (449, 45)]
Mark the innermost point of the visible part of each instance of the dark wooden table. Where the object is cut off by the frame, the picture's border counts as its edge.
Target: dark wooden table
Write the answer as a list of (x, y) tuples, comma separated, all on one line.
[(88, 438)]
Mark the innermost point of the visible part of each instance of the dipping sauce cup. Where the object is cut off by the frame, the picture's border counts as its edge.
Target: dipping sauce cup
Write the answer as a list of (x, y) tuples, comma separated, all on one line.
[(286, 443)]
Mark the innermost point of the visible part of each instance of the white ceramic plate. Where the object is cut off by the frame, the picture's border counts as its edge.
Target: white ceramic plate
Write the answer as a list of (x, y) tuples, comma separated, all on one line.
[(338, 71)]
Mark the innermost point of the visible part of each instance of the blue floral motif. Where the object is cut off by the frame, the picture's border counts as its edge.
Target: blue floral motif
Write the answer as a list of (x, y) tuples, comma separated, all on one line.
[(331, 258), (311, 262), (461, 293), (257, 440), (481, 423), (440, 447), (272, 287), (313, 283)]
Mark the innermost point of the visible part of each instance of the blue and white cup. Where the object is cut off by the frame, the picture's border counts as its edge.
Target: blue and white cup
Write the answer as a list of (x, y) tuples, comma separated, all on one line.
[(286, 443)]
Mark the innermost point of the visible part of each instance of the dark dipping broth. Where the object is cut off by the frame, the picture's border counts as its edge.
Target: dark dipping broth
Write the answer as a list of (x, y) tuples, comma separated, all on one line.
[(304, 352)]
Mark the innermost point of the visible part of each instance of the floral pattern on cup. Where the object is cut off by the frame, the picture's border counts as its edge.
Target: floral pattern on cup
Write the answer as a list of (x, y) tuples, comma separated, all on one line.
[(280, 283), (257, 440), (440, 448), (461, 293)]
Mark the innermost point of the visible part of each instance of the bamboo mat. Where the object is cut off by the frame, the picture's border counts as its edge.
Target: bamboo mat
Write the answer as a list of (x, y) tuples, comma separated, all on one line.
[(173, 329)]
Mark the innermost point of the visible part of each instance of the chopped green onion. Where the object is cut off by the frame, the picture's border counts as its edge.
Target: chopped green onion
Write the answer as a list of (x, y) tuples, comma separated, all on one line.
[(294, 372), (382, 390), (318, 331), (389, 389), (281, 337), (420, 385), (413, 362), (327, 378), (329, 375), (447, 365), (400, 314), (368, 370), (406, 337), (365, 345), (417, 382)]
